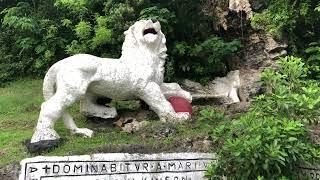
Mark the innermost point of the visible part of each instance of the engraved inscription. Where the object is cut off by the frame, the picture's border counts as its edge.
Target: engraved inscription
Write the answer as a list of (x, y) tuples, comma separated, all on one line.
[(177, 166)]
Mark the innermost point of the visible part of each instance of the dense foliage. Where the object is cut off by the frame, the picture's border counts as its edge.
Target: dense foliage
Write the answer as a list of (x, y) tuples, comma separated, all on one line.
[(271, 140), (267, 142), (255, 146), (289, 94), (36, 34), (298, 21), (313, 60)]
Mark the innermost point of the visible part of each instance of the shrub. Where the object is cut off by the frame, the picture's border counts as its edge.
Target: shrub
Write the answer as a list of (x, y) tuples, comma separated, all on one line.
[(286, 16), (163, 15), (289, 94), (295, 21), (208, 114), (278, 18), (208, 58), (318, 7), (43, 32), (313, 60), (255, 146), (34, 41)]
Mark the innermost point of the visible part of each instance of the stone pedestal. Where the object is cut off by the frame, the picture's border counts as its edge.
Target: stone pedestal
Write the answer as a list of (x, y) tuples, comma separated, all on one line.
[(118, 166)]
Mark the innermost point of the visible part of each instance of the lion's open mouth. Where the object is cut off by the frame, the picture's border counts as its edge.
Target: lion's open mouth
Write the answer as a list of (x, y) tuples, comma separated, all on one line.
[(149, 31)]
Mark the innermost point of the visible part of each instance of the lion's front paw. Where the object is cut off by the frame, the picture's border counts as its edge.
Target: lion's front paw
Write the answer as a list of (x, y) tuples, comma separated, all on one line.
[(183, 116), (177, 117), (83, 131), (187, 96)]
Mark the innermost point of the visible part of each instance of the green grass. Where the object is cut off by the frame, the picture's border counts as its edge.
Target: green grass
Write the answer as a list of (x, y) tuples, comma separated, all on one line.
[(19, 108)]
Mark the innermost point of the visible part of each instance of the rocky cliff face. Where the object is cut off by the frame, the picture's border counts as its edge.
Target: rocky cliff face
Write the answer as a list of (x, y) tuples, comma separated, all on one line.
[(260, 50)]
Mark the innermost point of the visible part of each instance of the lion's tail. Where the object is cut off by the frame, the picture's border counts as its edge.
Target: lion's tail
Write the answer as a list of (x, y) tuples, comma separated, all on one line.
[(49, 82)]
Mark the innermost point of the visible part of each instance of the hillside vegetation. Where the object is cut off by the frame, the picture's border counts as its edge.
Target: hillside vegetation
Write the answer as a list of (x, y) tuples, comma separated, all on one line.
[(279, 132)]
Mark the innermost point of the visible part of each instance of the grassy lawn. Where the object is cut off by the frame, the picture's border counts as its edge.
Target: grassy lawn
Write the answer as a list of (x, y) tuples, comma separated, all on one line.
[(19, 107)]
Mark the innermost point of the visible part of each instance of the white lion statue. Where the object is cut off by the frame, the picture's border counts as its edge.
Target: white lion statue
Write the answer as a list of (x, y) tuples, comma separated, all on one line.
[(138, 74)]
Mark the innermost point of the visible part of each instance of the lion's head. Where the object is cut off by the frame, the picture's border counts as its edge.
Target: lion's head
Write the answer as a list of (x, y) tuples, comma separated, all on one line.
[(145, 34)]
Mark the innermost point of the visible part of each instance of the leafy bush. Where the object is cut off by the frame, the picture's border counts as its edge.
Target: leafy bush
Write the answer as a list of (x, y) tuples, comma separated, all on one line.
[(209, 114), (193, 50), (291, 20), (255, 146), (313, 61), (279, 17), (33, 40), (289, 94), (43, 32), (206, 58), (318, 7), (163, 15), (285, 16)]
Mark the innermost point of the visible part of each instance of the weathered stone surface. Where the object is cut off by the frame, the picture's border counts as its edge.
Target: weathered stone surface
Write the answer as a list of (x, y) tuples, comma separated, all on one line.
[(222, 20), (130, 124), (118, 166), (315, 134), (123, 166), (250, 85), (260, 52), (193, 86), (241, 5), (260, 49), (273, 45), (9, 172), (258, 5)]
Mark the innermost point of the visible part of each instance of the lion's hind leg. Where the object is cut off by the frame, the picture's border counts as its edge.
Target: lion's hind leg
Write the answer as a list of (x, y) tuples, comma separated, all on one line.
[(70, 89), (51, 110), (70, 124)]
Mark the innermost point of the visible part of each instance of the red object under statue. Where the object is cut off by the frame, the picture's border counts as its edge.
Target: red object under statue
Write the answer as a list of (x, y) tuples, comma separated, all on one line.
[(180, 104)]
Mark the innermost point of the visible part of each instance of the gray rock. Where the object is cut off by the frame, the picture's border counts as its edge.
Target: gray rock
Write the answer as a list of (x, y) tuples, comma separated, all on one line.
[(9, 172), (271, 45), (260, 52), (250, 85), (193, 86), (202, 145), (258, 5), (166, 131), (241, 5), (276, 55), (130, 124), (260, 49)]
